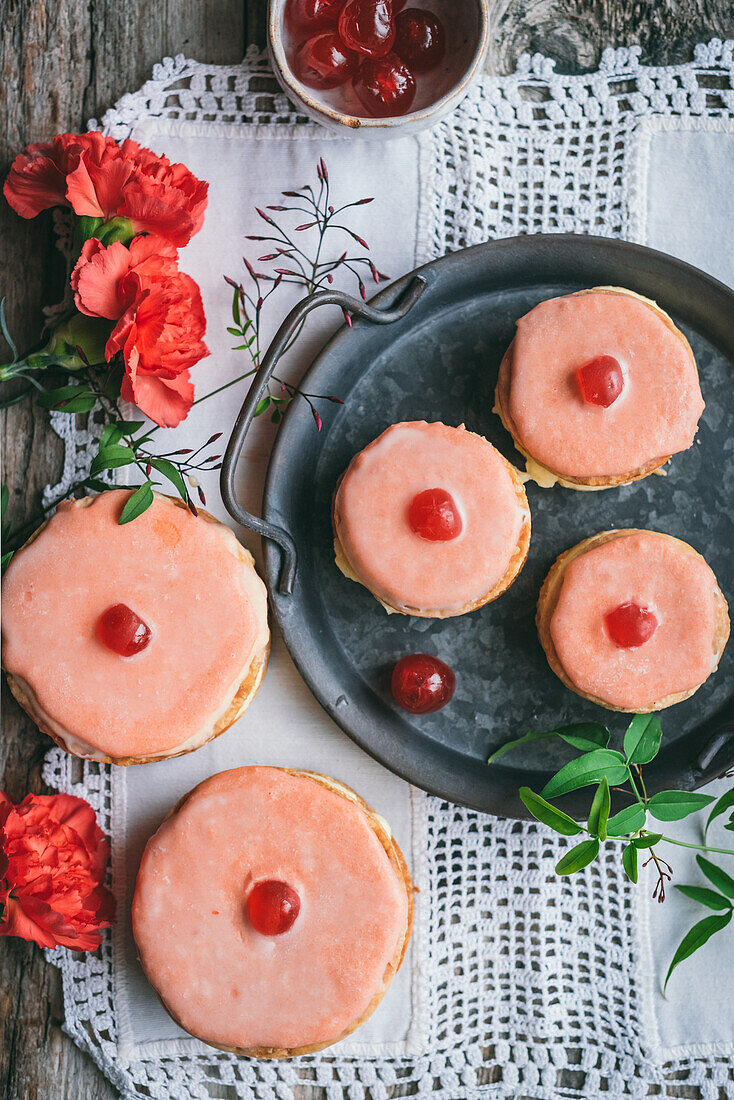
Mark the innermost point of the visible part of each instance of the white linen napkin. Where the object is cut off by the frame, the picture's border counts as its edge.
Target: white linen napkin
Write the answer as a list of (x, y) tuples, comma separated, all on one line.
[(248, 167), (683, 203)]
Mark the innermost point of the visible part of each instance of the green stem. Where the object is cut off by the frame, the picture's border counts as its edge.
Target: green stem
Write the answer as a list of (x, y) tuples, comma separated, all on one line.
[(697, 847)]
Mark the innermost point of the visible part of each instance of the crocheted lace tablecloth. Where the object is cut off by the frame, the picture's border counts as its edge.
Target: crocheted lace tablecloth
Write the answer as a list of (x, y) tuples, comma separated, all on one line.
[(537, 984)]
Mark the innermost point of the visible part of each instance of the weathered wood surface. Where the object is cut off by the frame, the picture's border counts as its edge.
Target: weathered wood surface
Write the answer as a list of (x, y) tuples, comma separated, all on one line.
[(62, 62)]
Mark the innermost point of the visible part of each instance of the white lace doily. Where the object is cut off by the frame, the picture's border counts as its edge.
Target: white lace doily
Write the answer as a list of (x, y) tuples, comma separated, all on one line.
[(535, 980)]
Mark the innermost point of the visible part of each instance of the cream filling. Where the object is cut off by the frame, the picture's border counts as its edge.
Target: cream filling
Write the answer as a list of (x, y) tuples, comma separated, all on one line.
[(257, 595)]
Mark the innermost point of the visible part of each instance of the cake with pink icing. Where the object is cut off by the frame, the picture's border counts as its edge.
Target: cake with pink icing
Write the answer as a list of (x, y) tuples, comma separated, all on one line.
[(633, 620), (432, 520), (134, 642), (271, 911), (598, 389)]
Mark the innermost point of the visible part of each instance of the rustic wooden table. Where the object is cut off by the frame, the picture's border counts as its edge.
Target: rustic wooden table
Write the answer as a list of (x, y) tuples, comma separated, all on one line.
[(63, 62)]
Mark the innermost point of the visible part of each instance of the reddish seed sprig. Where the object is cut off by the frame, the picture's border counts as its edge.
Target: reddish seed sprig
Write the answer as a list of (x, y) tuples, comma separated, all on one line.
[(306, 269)]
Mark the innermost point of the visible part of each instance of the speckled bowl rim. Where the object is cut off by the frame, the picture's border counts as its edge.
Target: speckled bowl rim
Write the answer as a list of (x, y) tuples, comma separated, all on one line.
[(301, 94)]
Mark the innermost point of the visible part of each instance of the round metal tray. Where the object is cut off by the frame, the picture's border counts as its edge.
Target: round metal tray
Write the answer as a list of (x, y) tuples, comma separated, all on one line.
[(439, 361)]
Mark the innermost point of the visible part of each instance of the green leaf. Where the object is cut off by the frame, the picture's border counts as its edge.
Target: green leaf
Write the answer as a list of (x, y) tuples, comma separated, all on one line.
[(4, 499), (233, 331), (715, 874), (628, 820), (236, 308), (578, 858), (629, 861), (138, 503), (587, 769), (262, 405), (132, 426), (96, 484), (68, 399), (549, 815), (642, 739), (163, 466), (5, 560), (700, 934), (704, 896), (599, 812), (109, 458), (674, 805), (724, 803), (649, 840), (112, 433), (276, 416), (581, 735)]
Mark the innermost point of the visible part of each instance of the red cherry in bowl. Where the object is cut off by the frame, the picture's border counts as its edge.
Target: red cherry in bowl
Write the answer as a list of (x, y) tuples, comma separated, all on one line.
[(601, 381), (630, 625), (433, 516), (323, 62), (122, 631), (420, 40), (312, 15), (272, 907), (422, 684), (385, 86), (367, 26)]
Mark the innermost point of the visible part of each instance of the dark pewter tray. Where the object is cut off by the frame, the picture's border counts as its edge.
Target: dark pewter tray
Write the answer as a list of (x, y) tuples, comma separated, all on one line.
[(439, 362)]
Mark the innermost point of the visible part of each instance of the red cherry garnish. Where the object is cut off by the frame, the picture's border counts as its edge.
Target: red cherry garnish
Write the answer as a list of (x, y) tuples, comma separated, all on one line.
[(312, 15), (122, 630), (385, 86), (322, 61), (600, 380), (419, 39), (434, 516), (630, 625), (272, 907), (367, 26), (421, 683)]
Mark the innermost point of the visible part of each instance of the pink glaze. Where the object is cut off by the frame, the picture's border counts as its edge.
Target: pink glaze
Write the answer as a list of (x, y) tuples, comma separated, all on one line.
[(656, 414), (371, 516), (654, 572), (182, 575), (220, 978)]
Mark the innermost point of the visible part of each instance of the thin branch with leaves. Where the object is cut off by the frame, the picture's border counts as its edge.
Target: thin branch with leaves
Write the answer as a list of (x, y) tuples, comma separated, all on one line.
[(607, 769)]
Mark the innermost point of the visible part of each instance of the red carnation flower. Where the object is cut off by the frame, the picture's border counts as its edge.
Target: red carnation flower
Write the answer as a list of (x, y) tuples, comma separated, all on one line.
[(98, 178), (53, 858), (160, 321)]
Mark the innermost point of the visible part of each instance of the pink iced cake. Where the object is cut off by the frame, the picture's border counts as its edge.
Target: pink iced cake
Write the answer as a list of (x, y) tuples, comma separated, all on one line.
[(133, 642), (272, 910)]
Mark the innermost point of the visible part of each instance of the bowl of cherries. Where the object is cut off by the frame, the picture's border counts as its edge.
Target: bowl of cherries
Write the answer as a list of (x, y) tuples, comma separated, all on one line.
[(377, 67)]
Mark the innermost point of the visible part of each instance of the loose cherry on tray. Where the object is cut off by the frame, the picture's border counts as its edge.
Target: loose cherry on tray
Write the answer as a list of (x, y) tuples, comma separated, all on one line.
[(312, 15), (272, 907), (367, 26), (385, 86), (122, 631), (433, 516), (324, 62), (629, 625), (601, 381), (419, 39), (422, 684)]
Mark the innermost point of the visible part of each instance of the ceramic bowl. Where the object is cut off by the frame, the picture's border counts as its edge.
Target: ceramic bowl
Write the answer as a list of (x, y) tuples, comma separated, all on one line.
[(439, 91)]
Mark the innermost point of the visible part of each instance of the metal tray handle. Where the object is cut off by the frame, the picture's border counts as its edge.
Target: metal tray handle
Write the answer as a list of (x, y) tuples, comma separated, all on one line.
[(246, 415)]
